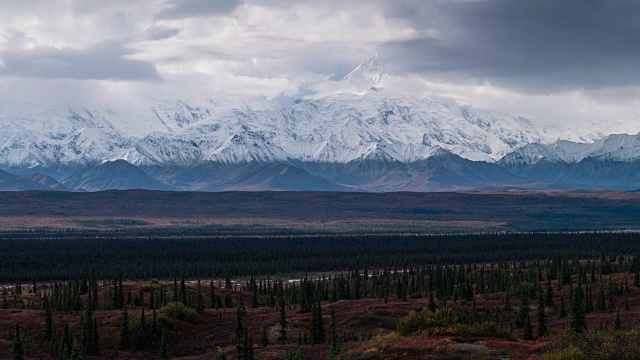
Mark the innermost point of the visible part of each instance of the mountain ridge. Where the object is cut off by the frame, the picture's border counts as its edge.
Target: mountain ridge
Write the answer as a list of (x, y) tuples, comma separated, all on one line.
[(359, 116), (36, 181), (112, 175), (360, 137)]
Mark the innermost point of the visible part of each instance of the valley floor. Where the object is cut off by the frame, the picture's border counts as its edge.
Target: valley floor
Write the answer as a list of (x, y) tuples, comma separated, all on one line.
[(325, 212), (367, 328)]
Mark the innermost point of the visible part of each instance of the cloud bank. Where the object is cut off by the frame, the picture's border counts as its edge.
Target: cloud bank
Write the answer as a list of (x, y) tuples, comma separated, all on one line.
[(560, 61)]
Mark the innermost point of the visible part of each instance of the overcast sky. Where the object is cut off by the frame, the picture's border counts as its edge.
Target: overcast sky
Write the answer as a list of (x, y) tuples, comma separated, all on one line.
[(562, 61)]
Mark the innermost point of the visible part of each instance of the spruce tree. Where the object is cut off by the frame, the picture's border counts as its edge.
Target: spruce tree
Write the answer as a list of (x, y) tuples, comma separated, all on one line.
[(95, 346), (87, 328), (54, 349), (120, 294), (523, 311), (199, 299), (563, 308), (65, 352), (124, 329), (212, 295), (67, 340), (334, 338), (75, 352), (314, 325), (140, 332), (543, 326), (183, 291), (67, 343), (152, 298), (175, 289), (588, 304), (432, 303), (48, 324), (318, 335), (164, 352), (507, 302), (17, 351), (239, 332), (250, 354), (227, 282), (282, 337), (611, 296), (245, 345), (528, 329), (577, 317), (625, 293), (321, 333), (264, 337), (601, 303), (94, 289), (617, 323), (154, 322), (254, 297)]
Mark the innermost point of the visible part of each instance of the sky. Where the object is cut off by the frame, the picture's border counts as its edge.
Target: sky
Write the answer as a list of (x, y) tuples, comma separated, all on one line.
[(560, 62)]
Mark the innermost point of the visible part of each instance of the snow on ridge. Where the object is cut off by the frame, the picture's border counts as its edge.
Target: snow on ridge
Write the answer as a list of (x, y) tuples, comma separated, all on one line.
[(614, 147), (338, 128), (368, 75)]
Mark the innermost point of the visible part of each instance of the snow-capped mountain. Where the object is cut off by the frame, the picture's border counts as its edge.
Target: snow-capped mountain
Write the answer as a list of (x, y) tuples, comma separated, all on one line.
[(612, 162), (615, 147), (58, 136), (338, 128), (368, 75), (361, 137)]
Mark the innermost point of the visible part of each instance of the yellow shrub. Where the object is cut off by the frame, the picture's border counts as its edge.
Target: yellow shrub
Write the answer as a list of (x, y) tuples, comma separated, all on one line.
[(426, 322), (569, 353), (178, 311)]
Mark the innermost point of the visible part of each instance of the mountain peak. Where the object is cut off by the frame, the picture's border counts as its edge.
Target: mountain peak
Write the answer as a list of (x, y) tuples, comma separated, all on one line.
[(369, 74), (118, 174)]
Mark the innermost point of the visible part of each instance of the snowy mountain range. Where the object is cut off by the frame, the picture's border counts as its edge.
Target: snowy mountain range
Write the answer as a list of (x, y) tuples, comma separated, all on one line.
[(361, 138)]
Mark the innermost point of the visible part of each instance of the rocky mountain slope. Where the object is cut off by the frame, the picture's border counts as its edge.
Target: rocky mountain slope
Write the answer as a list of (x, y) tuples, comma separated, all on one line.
[(612, 162), (11, 182), (362, 121), (361, 137)]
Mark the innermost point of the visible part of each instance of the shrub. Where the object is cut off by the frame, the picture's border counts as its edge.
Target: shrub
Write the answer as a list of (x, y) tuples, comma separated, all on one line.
[(485, 329), (176, 311), (595, 345), (569, 353), (445, 322), (426, 322)]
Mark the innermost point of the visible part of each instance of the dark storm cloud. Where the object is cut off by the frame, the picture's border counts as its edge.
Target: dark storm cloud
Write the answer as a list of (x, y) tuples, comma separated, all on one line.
[(105, 61), (197, 8), (534, 45)]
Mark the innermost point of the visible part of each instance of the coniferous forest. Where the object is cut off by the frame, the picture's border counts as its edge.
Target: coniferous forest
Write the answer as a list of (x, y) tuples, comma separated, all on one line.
[(147, 256), (541, 295)]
